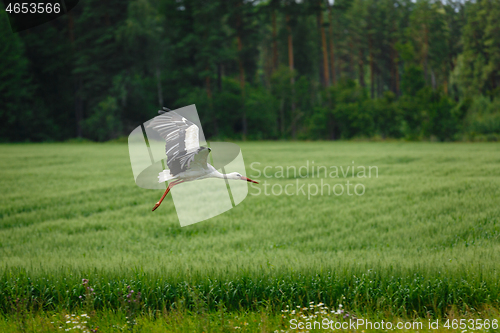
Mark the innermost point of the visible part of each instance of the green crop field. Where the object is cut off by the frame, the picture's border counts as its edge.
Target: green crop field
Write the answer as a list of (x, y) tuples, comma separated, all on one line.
[(423, 238)]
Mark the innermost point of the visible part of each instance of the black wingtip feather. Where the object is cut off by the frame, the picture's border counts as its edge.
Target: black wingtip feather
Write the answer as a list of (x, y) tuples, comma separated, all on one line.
[(165, 110)]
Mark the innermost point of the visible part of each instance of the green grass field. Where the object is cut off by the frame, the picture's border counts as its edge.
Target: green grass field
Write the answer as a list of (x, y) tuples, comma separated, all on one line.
[(423, 239)]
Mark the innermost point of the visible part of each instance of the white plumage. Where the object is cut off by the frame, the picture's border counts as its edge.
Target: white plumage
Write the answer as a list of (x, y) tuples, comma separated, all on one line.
[(192, 140), (186, 160)]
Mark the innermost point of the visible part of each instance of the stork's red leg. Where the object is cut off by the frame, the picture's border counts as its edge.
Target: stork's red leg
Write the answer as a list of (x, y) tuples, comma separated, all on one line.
[(172, 184)]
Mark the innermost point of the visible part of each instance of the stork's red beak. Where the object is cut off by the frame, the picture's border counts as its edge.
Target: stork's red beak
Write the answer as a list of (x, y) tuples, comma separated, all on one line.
[(248, 180)]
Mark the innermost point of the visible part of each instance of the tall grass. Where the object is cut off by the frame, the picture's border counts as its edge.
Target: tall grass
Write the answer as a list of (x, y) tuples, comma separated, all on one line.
[(398, 292), (422, 239)]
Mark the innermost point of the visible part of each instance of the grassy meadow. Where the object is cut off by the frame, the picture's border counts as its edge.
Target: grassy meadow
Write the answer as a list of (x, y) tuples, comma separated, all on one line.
[(422, 241)]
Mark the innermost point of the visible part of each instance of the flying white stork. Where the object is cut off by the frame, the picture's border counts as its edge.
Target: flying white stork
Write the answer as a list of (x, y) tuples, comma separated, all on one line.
[(186, 160)]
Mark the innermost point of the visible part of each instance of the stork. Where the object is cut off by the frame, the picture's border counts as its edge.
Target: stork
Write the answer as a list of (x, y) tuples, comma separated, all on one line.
[(186, 160)]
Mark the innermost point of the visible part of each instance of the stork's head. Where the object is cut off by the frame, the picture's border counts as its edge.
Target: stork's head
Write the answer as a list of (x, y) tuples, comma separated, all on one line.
[(235, 175)]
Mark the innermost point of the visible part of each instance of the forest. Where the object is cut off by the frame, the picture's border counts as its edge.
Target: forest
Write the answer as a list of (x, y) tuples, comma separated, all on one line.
[(257, 70)]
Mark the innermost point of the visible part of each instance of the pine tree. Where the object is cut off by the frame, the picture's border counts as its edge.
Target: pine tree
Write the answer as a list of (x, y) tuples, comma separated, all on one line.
[(100, 58), (478, 70), (21, 118)]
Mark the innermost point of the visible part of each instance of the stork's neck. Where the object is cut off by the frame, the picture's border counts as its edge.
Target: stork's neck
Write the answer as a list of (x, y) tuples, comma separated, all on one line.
[(217, 174)]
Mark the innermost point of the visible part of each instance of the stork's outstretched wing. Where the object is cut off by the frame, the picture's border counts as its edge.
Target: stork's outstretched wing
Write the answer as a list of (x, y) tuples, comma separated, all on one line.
[(181, 140)]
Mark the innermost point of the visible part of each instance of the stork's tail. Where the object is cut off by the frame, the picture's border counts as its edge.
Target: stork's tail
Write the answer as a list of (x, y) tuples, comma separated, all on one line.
[(164, 176)]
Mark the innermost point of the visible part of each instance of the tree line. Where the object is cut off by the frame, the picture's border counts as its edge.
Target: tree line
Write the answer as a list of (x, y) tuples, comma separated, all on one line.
[(275, 69)]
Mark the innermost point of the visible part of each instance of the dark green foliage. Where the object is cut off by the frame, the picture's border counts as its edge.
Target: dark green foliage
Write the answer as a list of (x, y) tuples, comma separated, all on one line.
[(442, 118), (262, 119), (22, 116), (104, 122), (483, 118), (479, 64), (352, 111), (412, 80), (104, 68), (387, 116)]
